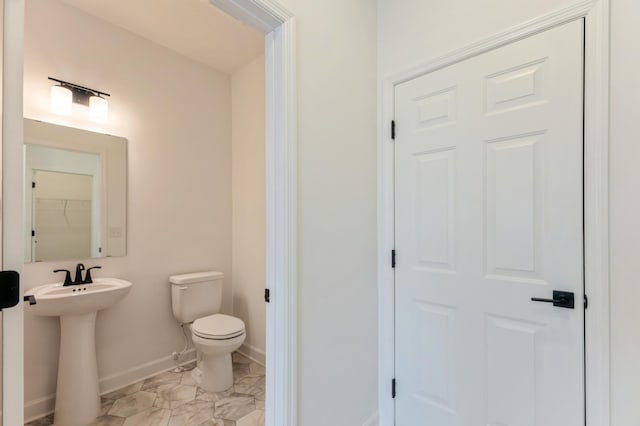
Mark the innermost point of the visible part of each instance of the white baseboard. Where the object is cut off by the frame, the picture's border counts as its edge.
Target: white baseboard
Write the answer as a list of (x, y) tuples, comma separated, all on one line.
[(141, 372), (372, 421), (40, 407), (253, 353)]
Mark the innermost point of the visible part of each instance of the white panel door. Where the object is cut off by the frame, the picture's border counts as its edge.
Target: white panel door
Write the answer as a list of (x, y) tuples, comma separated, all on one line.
[(488, 184)]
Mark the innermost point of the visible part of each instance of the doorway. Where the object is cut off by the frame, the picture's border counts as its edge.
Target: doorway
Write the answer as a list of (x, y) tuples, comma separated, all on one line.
[(489, 273), (277, 25)]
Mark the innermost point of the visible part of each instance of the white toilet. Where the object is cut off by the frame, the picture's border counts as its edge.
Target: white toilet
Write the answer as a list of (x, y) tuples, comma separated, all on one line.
[(196, 300)]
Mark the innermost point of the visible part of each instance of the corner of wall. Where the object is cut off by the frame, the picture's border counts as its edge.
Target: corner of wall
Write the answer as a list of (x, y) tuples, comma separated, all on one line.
[(248, 229)]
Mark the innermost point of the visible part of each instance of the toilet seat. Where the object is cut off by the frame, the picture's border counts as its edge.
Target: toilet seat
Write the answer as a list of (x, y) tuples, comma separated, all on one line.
[(218, 327)]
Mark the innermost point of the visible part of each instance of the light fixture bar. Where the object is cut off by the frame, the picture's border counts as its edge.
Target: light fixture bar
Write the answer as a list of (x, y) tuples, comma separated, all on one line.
[(64, 94), (73, 87)]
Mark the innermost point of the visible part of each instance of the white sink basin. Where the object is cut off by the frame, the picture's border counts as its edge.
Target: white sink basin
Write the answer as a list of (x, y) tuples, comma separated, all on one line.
[(57, 300), (78, 393)]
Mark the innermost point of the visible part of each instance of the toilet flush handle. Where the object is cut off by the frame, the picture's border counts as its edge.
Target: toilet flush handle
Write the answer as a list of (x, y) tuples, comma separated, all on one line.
[(182, 288)]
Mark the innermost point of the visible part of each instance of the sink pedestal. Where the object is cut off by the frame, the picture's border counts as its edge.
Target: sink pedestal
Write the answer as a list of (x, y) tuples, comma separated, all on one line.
[(78, 393)]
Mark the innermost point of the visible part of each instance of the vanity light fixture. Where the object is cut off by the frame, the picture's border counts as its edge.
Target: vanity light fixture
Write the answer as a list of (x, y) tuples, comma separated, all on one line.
[(63, 94), (61, 100), (98, 109)]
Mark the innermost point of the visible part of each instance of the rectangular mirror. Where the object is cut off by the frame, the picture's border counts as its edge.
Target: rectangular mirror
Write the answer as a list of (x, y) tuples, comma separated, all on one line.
[(75, 193)]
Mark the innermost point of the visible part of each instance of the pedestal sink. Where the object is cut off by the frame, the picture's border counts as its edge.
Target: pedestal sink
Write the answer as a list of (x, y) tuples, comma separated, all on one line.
[(77, 394)]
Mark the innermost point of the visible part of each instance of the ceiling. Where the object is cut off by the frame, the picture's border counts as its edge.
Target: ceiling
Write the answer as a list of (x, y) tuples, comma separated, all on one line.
[(193, 28)]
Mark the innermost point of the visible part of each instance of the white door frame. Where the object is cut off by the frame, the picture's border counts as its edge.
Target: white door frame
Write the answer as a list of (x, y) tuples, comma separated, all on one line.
[(278, 25), (596, 206), (12, 208)]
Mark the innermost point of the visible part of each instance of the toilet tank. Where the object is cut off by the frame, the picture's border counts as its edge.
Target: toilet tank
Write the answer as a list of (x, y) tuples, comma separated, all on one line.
[(196, 295)]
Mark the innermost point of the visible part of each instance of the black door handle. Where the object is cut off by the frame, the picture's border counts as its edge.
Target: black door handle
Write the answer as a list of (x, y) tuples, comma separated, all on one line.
[(561, 299), (9, 289)]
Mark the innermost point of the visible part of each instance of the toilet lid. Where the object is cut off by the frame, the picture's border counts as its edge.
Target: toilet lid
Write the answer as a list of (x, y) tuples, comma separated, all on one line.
[(218, 326)]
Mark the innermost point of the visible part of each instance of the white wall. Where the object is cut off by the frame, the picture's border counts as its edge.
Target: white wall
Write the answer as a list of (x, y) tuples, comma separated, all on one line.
[(413, 31), (337, 310), (625, 211), (176, 115), (248, 234)]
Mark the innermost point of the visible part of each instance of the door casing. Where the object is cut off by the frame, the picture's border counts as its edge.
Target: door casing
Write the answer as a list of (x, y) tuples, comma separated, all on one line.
[(12, 207), (596, 206)]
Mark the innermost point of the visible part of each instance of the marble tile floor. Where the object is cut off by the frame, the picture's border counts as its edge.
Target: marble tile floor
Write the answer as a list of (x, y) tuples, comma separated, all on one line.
[(173, 399)]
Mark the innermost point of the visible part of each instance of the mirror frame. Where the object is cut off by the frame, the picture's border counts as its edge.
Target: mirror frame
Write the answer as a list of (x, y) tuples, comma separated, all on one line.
[(114, 172)]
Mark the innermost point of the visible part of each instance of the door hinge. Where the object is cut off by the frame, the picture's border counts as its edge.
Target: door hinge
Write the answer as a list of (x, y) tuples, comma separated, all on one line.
[(33, 184), (393, 388), (267, 295), (586, 302), (393, 129), (393, 258), (33, 233)]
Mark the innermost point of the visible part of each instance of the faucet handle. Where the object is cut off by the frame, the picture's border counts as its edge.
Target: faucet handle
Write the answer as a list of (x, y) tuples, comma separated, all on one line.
[(67, 277), (87, 278)]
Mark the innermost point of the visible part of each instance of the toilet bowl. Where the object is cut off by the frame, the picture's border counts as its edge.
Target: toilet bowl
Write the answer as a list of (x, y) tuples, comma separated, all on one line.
[(196, 300), (215, 338)]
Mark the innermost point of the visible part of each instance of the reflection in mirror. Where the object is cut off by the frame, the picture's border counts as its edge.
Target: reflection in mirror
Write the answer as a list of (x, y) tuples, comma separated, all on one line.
[(75, 193), (62, 213)]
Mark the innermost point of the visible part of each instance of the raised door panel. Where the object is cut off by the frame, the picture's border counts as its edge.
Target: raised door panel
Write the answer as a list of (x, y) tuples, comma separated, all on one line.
[(513, 190), (434, 216)]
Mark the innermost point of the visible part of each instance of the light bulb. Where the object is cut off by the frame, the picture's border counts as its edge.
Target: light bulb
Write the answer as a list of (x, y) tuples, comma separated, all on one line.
[(61, 100), (98, 109)]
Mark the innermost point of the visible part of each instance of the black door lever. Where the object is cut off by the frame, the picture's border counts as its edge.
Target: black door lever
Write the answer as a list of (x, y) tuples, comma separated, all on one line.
[(561, 299), (9, 289)]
